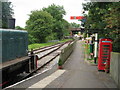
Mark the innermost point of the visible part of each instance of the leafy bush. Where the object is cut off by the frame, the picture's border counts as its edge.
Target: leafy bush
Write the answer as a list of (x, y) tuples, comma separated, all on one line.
[(60, 63)]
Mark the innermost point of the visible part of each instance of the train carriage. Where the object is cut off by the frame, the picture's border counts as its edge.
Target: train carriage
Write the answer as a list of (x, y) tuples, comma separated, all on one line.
[(14, 57)]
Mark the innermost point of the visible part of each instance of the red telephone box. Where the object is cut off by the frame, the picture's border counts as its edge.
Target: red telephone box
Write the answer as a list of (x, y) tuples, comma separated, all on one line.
[(105, 47)]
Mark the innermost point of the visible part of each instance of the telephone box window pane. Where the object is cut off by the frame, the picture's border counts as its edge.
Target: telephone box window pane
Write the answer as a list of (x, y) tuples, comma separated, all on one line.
[(106, 45), (104, 57), (104, 60), (105, 54), (105, 51), (106, 48)]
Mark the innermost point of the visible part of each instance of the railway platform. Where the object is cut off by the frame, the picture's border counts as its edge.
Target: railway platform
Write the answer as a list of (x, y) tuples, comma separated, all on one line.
[(76, 74)]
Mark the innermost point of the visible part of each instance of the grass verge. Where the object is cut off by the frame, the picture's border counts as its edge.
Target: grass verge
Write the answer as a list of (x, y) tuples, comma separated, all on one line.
[(40, 45), (87, 54)]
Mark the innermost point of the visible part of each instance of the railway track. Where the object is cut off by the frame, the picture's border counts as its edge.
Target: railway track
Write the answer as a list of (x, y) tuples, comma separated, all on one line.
[(45, 48), (48, 47), (45, 56)]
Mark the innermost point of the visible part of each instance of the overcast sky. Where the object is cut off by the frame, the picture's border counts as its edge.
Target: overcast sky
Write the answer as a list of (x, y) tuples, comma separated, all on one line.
[(23, 7)]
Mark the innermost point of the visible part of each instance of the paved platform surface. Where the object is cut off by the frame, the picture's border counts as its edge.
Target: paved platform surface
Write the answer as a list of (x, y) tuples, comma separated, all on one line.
[(76, 74)]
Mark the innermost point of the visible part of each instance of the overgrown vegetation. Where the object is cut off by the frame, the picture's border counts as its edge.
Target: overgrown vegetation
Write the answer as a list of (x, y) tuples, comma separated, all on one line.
[(104, 18)]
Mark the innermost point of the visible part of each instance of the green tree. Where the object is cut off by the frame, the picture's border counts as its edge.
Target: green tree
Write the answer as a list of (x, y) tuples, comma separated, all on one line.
[(47, 24), (39, 26), (57, 12), (112, 18), (74, 25), (19, 28), (66, 26), (7, 13), (95, 18), (105, 19)]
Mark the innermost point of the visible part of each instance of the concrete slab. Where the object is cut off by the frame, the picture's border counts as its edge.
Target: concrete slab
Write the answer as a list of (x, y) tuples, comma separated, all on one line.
[(79, 74), (43, 83)]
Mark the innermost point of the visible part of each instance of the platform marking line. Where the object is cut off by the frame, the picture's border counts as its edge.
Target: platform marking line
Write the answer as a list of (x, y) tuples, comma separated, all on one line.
[(44, 82)]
